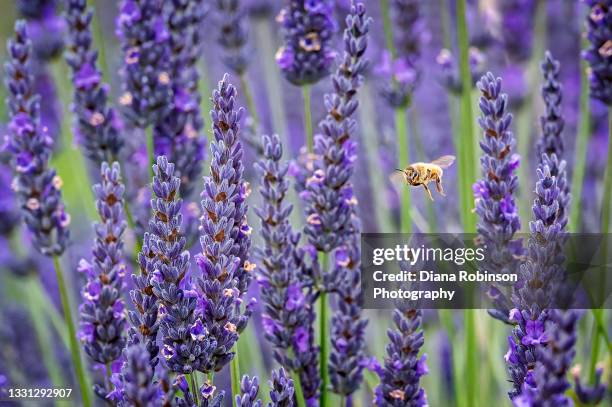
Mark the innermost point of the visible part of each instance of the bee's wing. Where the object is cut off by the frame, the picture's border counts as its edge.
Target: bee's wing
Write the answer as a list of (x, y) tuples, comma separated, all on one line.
[(397, 180), (445, 161)]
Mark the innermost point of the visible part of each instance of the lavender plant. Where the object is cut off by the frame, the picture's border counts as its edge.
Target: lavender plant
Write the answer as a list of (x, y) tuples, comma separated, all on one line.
[(450, 72), (403, 368), (494, 193), (182, 334), (281, 389), (400, 60), (516, 30), (146, 66), (308, 27), (225, 240), (178, 134), (538, 357), (233, 34), (329, 194), (96, 123), (103, 309), (599, 52), (36, 185), (249, 387), (287, 301)]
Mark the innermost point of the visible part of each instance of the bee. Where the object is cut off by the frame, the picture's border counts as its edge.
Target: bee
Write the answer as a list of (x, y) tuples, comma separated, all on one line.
[(423, 173)]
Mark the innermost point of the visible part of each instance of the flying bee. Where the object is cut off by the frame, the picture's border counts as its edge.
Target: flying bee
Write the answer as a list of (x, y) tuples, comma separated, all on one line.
[(423, 173)]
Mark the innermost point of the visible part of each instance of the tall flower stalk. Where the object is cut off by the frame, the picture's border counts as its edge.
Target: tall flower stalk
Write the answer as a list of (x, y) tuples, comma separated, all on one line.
[(307, 55), (147, 89), (36, 185), (225, 237), (288, 302), (329, 193), (103, 309), (179, 134), (95, 124)]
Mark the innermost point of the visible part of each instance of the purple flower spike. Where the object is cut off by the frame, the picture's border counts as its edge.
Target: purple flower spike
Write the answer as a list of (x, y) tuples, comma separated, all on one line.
[(308, 27), (517, 21), (552, 122), (288, 312), (179, 134), (225, 237), (36, 184), (182, 334), (589, 395), (599, 52), (102, 312), (249, 387), (146, 67), (95, 123), (138, 385), (233, 35), (400, 376), (281, 389), (494, 193), (330, 200), (541, 278), (410, 34)]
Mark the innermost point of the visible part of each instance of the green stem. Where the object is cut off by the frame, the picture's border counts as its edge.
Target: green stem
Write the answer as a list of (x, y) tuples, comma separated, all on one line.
[(299, 393), (150, 151), (74, 345), (468, 145), (36, 310), (323, 336), (50, 311), (388, 27), (248, 96), (584, 133), (306, 90), (235, 374), (194, 387), (403, 158)]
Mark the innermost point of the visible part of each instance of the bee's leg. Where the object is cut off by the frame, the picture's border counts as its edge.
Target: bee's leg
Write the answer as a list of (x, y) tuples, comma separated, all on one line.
[(428, 191), (439, 186)]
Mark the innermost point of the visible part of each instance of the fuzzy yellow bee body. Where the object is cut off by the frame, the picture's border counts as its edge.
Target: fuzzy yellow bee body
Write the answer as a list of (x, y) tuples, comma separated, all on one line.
[(418, 174)]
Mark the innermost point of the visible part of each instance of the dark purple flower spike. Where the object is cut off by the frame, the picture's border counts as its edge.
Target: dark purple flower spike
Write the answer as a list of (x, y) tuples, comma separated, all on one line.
[(308, 27), (225, 235), (102, 326), (36, 185), (96, 123), (599, 52), (494, 192)]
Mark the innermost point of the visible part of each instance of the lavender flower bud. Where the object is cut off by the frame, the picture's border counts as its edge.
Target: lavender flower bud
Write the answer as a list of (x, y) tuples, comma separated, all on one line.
[(144, 317), (552, 122), (402, 68), (36, 184), (103, 310), (179, 134), (225, 240), (494, 193), (288, 313), (181, 332), (308, 28), (400, 376), (281, 389), (138, 386), (589, 395), (249, 387), (599, 52), (233, 35), (329, 193), (146, 69), (554, 361), (34, 8), (96, 123)]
